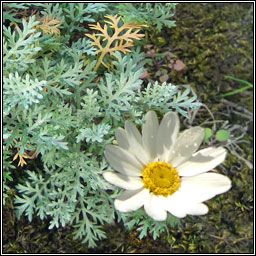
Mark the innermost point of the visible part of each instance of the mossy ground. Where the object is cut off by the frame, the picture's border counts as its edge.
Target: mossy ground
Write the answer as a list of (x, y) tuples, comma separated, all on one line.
[(212, 40)]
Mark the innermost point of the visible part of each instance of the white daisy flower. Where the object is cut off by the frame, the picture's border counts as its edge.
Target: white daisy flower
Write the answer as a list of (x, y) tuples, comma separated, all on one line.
[(161, 169)]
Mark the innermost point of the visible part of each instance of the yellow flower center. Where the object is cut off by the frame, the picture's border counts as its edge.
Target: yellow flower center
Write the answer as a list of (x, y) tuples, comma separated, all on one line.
[(160, 178)]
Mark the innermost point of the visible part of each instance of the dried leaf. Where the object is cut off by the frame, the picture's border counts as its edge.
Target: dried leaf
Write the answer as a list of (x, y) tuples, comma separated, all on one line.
[(30, 155), (163, 78), (121, 39), (49, 25), (21, 159), (179, 65), (144, 75)]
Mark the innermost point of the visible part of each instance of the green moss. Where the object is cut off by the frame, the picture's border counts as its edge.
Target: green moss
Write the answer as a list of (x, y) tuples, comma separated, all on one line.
[(213, 40)]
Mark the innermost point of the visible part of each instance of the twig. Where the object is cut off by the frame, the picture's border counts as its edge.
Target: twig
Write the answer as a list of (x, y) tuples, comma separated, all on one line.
[(239, 108)]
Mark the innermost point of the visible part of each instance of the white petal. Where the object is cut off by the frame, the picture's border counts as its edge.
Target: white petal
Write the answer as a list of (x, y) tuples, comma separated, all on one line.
[(131, 200), (149, 134), (135, 142), (167, 134), (197, 209), (123, 181), (154, 207), (202, 187), (122, 161), (175, 204), (186, 144), (179, 206), (121, 138), (202, 161)]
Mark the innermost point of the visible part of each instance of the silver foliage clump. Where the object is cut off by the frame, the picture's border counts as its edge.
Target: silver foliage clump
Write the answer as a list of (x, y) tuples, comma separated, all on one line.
[(58, 108)]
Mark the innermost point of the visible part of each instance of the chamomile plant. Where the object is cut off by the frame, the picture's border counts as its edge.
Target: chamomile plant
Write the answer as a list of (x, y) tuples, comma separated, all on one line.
[(63, 101)]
